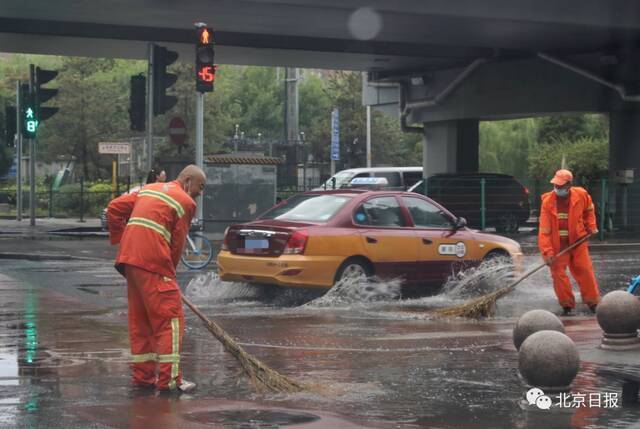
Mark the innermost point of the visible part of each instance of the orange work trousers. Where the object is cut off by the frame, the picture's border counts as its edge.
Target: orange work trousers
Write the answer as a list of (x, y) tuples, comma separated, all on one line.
[(156, 328), (579, 263)]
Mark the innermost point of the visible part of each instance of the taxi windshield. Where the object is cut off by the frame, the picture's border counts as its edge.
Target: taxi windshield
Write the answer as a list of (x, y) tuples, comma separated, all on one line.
[(308, 208)]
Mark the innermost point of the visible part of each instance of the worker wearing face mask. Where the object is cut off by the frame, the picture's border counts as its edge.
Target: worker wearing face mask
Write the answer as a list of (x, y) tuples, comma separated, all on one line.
[(566, 215)]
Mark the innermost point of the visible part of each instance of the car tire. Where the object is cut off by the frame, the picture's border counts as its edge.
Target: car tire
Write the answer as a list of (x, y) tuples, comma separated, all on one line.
[(354, 268), (507, 223), (496, 254)]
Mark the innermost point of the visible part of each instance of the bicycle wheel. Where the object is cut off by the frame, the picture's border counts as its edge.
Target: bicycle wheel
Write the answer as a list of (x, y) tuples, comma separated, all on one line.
[(197, 252)]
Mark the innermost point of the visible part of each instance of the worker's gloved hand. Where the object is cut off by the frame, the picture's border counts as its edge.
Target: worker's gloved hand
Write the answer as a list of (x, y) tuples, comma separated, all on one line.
[(549, 259), (592, 231)]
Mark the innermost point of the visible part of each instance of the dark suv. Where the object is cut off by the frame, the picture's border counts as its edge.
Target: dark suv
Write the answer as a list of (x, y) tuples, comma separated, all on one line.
[(506, 199)]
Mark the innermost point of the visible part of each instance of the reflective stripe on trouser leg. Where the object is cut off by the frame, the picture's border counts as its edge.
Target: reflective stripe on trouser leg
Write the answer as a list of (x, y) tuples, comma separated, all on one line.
[(143, 358), (174, 357), (147, 357), (582, 270), (561, 282)]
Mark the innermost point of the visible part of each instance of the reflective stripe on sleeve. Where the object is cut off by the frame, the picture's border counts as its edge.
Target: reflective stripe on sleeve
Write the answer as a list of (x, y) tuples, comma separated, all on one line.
[(564, 233), (165, 198), (563, 215), (147, 357), (147, 223)]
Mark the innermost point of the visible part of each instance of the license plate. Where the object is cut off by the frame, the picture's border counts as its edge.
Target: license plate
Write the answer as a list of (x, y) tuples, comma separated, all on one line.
[(256, 244)]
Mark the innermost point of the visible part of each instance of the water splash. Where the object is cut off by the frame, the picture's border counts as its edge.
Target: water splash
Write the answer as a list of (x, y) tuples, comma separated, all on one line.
[(357, 291), (209, 287), (487, 277)]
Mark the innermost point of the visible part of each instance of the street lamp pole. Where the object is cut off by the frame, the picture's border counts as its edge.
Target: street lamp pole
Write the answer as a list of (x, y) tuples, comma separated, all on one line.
[(368, 136)]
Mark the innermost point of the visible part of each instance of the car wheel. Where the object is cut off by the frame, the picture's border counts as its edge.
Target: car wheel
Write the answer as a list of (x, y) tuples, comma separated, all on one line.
[(508, 223), (353, 270)]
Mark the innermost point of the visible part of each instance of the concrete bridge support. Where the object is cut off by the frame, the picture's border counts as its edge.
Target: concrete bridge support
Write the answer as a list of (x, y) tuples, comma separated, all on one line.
[(450, 147), (624, 154)]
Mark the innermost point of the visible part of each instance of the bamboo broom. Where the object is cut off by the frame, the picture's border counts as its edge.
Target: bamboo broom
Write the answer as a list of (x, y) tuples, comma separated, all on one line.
[(485, 305), (262, 377)]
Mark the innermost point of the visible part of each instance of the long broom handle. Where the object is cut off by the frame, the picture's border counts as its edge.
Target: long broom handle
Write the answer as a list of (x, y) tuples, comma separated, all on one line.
[(544, 264)]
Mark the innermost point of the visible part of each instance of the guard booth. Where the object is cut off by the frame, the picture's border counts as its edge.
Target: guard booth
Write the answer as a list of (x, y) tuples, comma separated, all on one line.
[(239, 188)]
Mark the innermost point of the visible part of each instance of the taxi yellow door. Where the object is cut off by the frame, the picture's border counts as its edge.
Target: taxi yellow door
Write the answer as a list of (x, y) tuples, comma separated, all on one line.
[(387, 239), (439, 245)]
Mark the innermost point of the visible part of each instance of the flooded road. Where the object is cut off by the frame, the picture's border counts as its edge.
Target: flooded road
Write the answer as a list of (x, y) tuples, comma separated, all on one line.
[(387, 363)]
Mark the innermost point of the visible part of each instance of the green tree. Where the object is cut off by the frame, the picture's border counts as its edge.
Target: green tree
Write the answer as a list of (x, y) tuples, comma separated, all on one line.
[(505, 146), (93, 102), (571, 127), (587, 158), (389, 145)]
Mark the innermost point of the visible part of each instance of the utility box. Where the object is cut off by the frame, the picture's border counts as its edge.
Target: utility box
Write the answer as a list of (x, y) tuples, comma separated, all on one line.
[(239, 188), (624, 177)]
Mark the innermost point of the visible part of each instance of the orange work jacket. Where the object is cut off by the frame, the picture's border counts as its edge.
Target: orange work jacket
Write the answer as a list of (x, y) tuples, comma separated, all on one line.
[(151, 226), (581, 218)]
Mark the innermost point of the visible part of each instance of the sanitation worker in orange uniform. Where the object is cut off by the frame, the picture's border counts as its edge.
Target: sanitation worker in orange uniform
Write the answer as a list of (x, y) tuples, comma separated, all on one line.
[(151, 227), (566, 215)]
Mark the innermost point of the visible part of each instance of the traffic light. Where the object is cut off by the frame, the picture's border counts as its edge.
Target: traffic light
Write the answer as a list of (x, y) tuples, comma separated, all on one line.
[(205, 69), (29, 120), (162, 57), (137, 100), (44, 94), (9, 124)]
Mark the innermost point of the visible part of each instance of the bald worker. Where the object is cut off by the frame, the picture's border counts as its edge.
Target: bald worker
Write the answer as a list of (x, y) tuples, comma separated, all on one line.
[(151, 227)]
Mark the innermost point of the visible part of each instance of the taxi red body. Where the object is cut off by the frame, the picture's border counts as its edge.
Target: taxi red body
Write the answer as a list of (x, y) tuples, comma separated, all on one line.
[(316, 238)]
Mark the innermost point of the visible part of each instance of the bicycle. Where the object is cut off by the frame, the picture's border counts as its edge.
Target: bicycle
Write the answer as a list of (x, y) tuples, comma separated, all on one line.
[(198, 251)]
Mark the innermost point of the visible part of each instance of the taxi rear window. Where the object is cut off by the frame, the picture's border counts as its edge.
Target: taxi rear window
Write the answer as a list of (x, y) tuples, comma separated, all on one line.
[(308, 208)]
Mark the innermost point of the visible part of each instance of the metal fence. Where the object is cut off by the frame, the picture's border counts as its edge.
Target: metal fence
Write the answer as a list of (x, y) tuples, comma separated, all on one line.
[(486, 203), (75, 200)]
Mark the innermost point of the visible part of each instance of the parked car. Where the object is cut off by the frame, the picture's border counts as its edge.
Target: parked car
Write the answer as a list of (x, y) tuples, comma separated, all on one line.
[(506, 199), (398, 178), (318, 238)]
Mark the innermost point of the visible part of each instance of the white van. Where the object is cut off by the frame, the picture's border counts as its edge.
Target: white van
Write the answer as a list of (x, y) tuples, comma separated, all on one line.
[(398, 178)]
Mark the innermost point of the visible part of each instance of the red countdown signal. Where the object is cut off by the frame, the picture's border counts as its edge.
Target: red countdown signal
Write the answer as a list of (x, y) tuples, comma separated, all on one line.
[(207, 73)]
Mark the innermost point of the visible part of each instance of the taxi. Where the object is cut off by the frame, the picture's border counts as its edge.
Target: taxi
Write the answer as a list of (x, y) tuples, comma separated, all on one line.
[(318, 238)]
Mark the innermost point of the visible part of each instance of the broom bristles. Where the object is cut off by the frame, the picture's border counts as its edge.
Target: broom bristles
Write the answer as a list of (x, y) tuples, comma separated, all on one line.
[(478, 308), (485, 305), (262, 377)]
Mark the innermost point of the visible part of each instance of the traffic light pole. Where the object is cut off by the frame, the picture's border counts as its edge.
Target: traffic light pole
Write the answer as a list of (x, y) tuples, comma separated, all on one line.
[(19, 153), (200, 142), (32, 181), (150, 77), (32, 159)]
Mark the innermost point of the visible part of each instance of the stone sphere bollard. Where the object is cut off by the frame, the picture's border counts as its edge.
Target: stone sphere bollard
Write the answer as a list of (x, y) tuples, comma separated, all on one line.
[(534, 321), (618, 315), (549, 360)]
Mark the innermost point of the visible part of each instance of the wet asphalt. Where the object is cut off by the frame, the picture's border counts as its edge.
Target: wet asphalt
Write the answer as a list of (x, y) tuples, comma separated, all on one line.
[(384, 363)]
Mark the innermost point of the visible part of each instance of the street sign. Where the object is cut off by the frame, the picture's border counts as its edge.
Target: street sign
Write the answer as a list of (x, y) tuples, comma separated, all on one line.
[(114, 148), (177, 131), (335, 135)]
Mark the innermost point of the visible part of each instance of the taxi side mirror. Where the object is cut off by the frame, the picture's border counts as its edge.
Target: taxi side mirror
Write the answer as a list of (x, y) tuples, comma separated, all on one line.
[(460, 223)]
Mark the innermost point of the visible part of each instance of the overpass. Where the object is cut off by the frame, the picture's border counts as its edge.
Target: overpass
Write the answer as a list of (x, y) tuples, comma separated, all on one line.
[(446, 64)]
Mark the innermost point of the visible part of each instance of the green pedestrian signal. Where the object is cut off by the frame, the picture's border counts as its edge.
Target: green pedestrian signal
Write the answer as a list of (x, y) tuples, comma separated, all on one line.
[(29, 120)]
